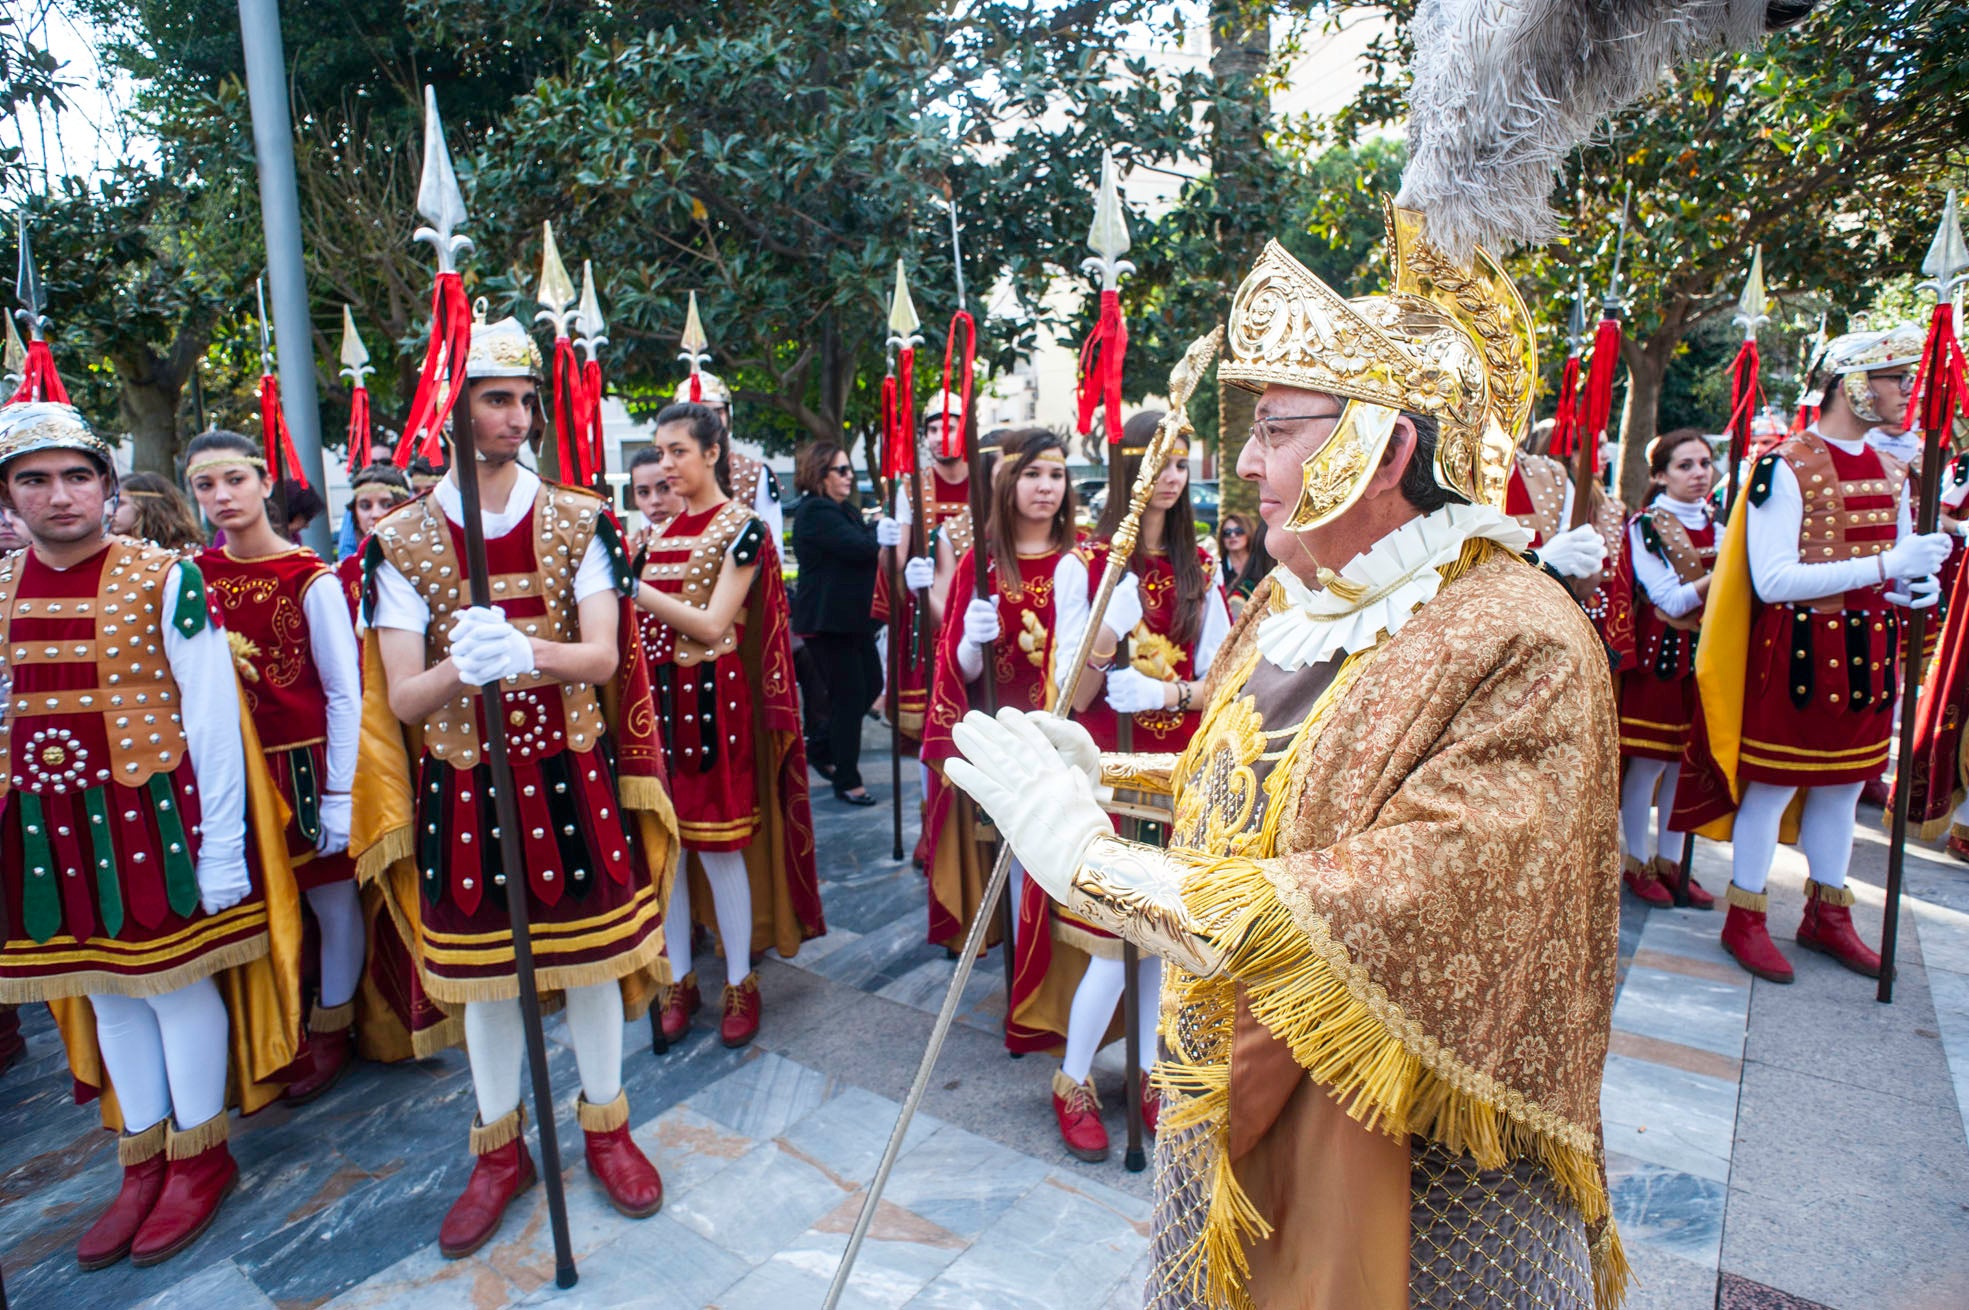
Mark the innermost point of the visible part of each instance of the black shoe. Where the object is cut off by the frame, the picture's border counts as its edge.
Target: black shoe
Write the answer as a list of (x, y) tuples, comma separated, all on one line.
[(863, 799), (824, 770)]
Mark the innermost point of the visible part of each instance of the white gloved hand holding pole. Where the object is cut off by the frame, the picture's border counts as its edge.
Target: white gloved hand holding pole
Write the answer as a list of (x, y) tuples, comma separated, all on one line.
[(919, 573), (1576, 553), (486, 648), (981, 628), (1043, 805), (1916, 593), (888, 532), (334, 823), (1130, 691), (1917, 556), (224, 883), (1124, 609)]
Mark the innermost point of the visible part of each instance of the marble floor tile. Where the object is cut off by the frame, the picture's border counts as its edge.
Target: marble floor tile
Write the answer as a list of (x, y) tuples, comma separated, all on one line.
[(1951, 995), (961, 1181), (689, 1148), (875, 952), (758, 1203), (1668, 1117), (1694, 933), (764, 1096), (847, 1135), (425, 1280), (1672, 1007), (812, 952), (925, 986), (1131, 1290), (1050, 1248), (1944, 935), (902, 1253), (1667, 1209), (659, 1265), (217, 1287)]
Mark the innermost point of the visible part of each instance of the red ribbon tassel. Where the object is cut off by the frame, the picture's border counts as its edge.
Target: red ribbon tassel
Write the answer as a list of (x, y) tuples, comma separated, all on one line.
[(591, 416), (1596, 404), (1745, 400), (442, 375), (568, 414), (281, 454), (39, 381), (1101, 360), (903, 432), (953, 445), (889, 457), (1565, 415), (361, 439), (1941, 384), (697, 388)]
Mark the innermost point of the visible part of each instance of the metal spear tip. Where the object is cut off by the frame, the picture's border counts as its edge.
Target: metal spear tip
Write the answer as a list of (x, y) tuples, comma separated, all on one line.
[(27, 284), (1753, 305), (266, 338), (1947, 264), (903, 321), (556, 293), (15, 359), (694, 341), (588, 320), (1107, 236), (355, 356), (439, 201), (1576, 321)]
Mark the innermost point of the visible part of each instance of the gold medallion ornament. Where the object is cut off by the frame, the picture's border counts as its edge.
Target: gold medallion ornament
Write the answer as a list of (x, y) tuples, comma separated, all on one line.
[(1448, 342)]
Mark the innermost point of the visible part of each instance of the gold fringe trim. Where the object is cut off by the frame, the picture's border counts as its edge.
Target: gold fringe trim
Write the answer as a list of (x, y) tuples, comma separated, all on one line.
[(1755, 902), (1296, 989), (1630, 866), (602, 1118), (1824, 895), (1063, 1086), (135, 1148), (553, 978), (487, 1138), (332, 1018), (1611, 1272), (183, 1144), (643, 794), (396, 844), (86, 982)]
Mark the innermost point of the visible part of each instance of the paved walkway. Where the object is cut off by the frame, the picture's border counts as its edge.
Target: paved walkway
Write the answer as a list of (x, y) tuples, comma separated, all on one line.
[(1767, 1146)]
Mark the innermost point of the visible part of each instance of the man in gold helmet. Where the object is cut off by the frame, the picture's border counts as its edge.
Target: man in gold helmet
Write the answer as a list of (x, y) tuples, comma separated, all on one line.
[(1391, 895)]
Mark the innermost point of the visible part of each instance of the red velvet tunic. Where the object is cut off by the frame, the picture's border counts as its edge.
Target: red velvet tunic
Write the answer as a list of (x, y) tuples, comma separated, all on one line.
[(99, 818), (948, 511), (1151, 651), (349, 573), (261, 604), (1658, 691)]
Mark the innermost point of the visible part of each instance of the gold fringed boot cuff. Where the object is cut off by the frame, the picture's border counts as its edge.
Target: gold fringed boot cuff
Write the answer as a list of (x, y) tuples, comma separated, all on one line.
[(1755, 902), (332, 1018), (135, 1148), (604, 1118), (1818, 891), (184, 1143), (487, 1138)]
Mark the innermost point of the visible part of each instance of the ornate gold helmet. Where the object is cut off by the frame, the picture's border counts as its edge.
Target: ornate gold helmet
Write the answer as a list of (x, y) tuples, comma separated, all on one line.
[(1449, 342), (1850, 358), (30, 426), (502, 350), (710, 386)]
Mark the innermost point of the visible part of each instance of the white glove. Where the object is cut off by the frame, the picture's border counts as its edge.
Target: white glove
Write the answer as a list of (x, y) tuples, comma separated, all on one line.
[(1133, 692), (888, 532), (1043, 804), (1575, 553), (1916, 556), (1917, 593), (334, 822), (1124, 609), (919, 573), (981, 625), (489, 649), (224, 883)]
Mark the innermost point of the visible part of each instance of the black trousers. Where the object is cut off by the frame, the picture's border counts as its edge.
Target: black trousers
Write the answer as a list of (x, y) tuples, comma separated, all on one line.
[(852, 673)]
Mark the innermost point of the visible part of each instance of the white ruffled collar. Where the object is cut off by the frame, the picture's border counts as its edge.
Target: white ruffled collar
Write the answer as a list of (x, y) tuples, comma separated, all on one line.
[(1399, 574)]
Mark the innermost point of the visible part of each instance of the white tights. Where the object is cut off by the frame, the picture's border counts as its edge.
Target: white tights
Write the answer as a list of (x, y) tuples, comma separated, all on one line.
[(731, 902), (1093, 1005), (338, 911), (1637, 798), (495, 1043), (165, 1054), (1825, 832)]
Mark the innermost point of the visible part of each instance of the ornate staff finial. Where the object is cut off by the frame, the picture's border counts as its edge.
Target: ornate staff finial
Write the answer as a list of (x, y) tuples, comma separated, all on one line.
[(439, 201), (1947, 264), (696, 346), (355, 356), (1576, 334), (556, 293), (15, 362), (590, 327), (1753, 306), (903, 322), (266, 337), (1614, 303), (27, 288), (1107, 237)]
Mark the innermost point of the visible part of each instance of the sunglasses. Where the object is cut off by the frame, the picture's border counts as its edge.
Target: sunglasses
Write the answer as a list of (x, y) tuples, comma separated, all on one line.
[(843, 469), (1232, 532)]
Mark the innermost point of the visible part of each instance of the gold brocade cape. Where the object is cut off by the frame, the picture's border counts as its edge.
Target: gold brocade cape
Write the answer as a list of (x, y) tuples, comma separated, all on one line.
[(263, 994), (1428, 915)]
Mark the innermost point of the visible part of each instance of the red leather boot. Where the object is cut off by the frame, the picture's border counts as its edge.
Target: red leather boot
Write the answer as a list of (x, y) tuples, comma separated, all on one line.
[(330, 1049), (108, 1239), (1958, 842), (742, 1008), (1078, 1110), (503, 1171), (1151, 1104), (680, 1001), (1669, 873), (1640, 879), (634, 1188), (1828, 929), (1746, 937), (198, 1172)]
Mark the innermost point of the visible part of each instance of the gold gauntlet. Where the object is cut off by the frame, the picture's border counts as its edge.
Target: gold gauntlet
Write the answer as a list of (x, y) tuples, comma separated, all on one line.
[(1138, 785), (1136, 892)]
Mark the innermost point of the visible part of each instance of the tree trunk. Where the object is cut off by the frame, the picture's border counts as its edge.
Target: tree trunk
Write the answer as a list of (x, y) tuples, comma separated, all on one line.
[(1241, 50), (149, 411), (1637, 420)]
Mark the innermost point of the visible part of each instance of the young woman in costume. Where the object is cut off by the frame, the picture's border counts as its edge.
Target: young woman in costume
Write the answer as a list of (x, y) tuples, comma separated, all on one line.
[(379, 488), (1671, 552), (1006, 635), (295, 648), (715, 627), (1170, 611), (153, 508)]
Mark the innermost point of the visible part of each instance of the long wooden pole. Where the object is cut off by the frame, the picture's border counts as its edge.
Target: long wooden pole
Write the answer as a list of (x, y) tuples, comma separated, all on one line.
[(895, 680)]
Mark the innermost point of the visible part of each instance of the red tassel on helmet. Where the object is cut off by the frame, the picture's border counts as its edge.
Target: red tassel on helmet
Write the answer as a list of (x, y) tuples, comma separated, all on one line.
[(39, 381), (1101, 361)]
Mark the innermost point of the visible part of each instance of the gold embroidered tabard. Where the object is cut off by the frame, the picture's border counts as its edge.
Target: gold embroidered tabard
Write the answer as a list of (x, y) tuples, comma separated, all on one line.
[(418, 540), (688, 568), (1545, 481), (128, 682), (1843, 518)]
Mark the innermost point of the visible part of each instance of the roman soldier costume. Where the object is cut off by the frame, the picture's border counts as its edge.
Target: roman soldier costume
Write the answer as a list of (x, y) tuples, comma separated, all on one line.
[(1539, 495), (147, 896), (946, 518), (751, 483), (736, 761), (1798, 668), (599, 834), (296, 654), (1671, 546), (1392, 978)]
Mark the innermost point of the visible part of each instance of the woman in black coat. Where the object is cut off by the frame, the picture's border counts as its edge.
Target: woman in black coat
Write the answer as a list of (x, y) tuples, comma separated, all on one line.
[(837, 554)]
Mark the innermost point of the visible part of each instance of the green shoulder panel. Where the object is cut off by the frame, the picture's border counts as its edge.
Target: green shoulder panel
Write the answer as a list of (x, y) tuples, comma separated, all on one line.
[(190, 617)]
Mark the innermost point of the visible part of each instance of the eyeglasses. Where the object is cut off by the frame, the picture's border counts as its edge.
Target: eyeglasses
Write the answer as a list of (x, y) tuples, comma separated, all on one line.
[(1265, 431), (1905, 381), (843, 469), (1228, 533)]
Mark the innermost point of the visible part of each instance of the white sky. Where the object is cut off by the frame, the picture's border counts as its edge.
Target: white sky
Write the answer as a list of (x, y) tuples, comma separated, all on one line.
[(89, 134)]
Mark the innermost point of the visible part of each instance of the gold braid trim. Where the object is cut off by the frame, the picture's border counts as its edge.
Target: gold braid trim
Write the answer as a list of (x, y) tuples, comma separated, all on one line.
[(396, 844), (1348, 1036)]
